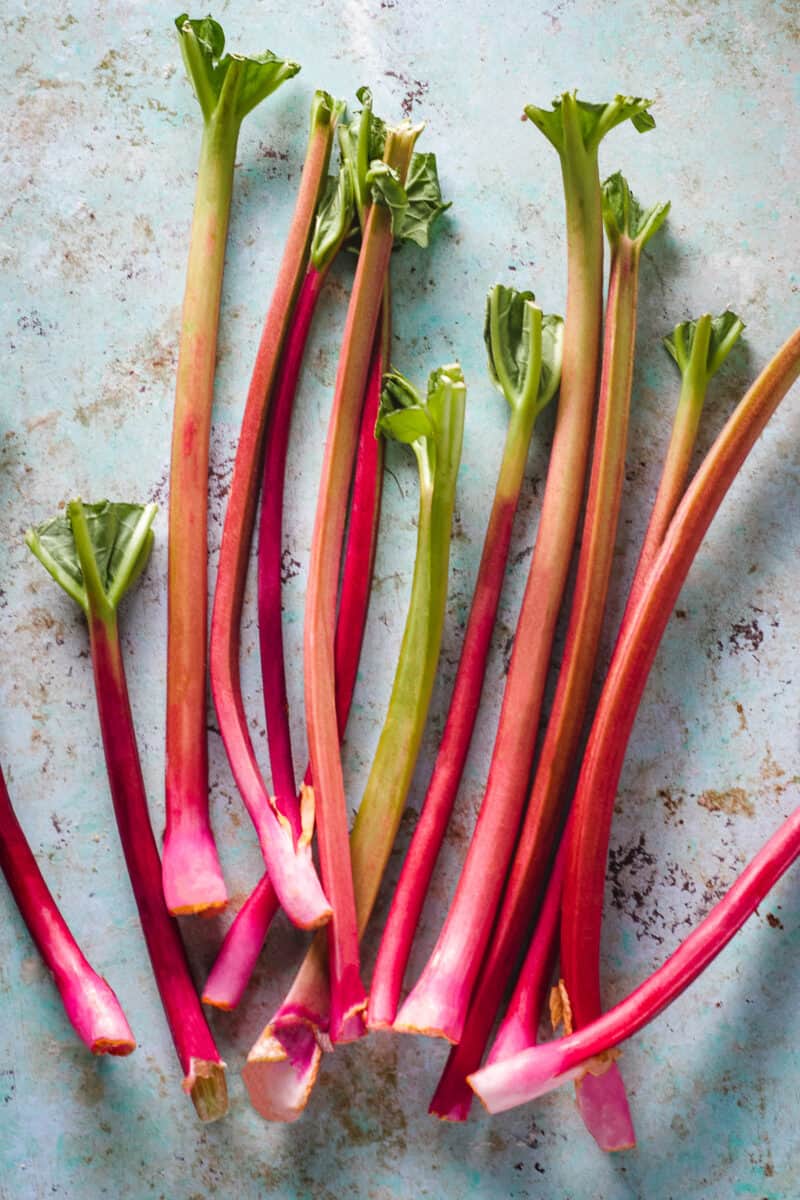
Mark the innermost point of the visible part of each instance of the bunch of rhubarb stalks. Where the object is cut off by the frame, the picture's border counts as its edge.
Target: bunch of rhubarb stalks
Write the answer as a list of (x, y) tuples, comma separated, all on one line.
[(530, 891)]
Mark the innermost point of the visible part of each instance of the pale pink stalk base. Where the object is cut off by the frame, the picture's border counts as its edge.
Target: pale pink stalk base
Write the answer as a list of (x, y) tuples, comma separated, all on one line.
[(538, 1070), (89, 1002), (452, 1099), (283, 1065), (239, 952), (193, 882)]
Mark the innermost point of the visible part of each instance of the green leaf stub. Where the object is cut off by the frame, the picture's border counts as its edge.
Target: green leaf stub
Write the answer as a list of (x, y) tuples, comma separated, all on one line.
[(702, 345), (119, 536), (624, 216), (591, 122), (227, 84), (523, 348)]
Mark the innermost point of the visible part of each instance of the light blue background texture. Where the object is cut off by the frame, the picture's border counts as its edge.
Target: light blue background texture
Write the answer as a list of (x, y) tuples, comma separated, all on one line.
[(99, 144)]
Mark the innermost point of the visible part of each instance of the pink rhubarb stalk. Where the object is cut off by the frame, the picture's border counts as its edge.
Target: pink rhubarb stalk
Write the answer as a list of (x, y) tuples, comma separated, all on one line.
[(348, 998), (283, 1064), (288, 859), (513, 332), (590, 1051), (95, 552), (629, 229), (633, 657), (699, 347), (438, 1004), (244, 940), (89, 1002), (227, 88)]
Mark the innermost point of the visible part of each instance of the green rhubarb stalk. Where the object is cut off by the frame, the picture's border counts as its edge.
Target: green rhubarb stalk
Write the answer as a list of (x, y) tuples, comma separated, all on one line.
[(283, 1064), (227, 88)]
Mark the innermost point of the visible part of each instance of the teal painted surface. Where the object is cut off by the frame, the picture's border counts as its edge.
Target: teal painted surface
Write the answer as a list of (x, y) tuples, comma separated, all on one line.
[(99, 143)]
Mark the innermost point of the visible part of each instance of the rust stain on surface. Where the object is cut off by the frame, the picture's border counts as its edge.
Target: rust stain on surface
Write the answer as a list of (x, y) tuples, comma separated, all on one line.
[(733, 801)]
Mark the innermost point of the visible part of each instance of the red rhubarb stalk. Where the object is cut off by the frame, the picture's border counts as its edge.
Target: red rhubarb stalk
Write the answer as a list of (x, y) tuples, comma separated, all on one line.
[(633, 657), (629, 229), (438, 1003), (528, 378), (348, 998), (288, 858), (95, 552), (227, 88), (239, 952), (283, 1065), (89, 1002), (534, 1071), (332, 224)]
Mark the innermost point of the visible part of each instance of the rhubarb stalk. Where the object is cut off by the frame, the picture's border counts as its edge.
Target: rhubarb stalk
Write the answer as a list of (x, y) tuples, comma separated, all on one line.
[(527, 374), (89, 1002), (699, 347), (227, 88), (362, 141), (348, 998), (590, 1051), (277, 819), (95, 552), (242, 945), (283, 1065), (633, 657), (438, 1003), (629, 228)]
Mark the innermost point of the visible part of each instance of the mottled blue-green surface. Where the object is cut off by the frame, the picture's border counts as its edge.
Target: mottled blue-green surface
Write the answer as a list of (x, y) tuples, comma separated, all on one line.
[(99, 142)]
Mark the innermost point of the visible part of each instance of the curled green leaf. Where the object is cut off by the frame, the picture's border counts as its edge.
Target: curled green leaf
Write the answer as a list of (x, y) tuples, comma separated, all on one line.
[(227, 84), (591, 122), (336, 214), (523, 347), (119, 538), (624, 216), (433, 427), (385, 188), (702, 345), (424, 200)]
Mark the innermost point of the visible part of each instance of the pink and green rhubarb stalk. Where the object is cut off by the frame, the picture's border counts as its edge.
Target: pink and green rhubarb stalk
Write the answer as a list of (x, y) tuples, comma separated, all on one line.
[(95, 552), (438, 1003), (387, 201), (227, 87), (629, 229), (284, 826), (282, 1066), (524, 352), (635, 651)]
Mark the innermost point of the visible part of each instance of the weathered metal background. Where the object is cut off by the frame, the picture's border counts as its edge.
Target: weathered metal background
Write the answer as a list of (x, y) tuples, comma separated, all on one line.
[(99, 142)]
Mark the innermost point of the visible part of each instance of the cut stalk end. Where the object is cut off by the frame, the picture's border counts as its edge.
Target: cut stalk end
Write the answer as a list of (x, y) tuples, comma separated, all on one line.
[(208, 1089), (603, 1105), (281, 1070), (191, 873), (117, 1047)]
